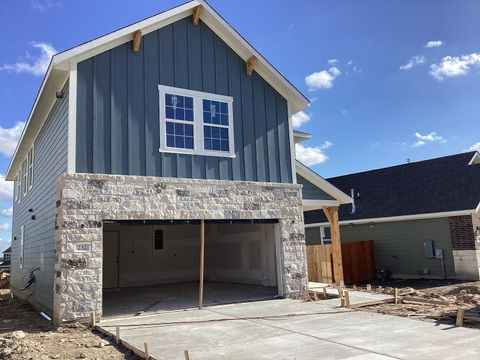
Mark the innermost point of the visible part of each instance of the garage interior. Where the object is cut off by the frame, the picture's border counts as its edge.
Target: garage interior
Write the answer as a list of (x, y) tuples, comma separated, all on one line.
[(153, 266)]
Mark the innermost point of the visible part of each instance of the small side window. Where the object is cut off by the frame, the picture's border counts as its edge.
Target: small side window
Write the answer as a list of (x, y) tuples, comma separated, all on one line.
[(158, 239)]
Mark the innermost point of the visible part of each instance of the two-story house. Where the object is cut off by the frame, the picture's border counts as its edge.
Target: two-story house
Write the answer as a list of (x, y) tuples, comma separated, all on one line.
[(161, 153)]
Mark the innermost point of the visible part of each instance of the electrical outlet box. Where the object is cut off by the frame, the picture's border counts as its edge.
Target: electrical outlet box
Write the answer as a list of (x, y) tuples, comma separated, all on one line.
[(428, 249)]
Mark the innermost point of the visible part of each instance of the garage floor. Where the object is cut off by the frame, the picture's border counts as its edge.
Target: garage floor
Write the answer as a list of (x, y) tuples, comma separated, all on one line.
[(292, 329), (156, 298)]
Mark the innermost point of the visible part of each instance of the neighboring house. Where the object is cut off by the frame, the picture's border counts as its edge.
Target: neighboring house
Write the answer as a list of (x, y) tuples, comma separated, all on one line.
[(422, 216), (146, 140), (5, 263)]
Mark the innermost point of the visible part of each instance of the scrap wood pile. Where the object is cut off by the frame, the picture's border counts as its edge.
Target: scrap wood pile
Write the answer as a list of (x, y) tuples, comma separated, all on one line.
[(4, 280), (435, 304)]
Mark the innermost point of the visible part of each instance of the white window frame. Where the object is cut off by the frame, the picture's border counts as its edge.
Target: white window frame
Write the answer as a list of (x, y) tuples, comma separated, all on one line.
[(17, 187), (22, 252), (24, 178), (322, 235), (198, 138), (30, 169)]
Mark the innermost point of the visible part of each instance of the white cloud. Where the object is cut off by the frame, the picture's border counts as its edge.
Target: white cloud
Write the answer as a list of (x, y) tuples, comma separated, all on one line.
[(4, 226), (451, 66), (343, 111), (355, 68), (44, 5), (322, 79), (6, 212), (414, 61), (433, 43), (475, 147), (300, 118), (424, 139), (9, 138), (312, 155), (38, 65), (6, 189), (332, 62)]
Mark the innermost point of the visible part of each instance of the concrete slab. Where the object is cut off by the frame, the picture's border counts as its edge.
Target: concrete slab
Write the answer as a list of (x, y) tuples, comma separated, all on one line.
[(124, 302), (292, 329)]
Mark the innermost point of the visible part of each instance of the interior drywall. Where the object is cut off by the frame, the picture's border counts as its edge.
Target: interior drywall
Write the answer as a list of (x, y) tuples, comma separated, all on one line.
[(234, 253)]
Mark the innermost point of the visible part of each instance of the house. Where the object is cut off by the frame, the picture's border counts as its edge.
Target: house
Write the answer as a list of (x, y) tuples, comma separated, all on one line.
[(424, 217), (5, 263), (161, 153)]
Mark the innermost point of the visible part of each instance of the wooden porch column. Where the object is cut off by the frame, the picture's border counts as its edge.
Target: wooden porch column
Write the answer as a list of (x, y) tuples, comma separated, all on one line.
[(331, 212), (202, 263)]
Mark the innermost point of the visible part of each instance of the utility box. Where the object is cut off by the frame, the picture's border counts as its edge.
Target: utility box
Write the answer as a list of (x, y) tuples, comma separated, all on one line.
[(428, 249)]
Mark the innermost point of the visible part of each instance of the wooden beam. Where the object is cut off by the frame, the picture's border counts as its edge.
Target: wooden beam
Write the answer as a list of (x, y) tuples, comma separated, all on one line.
[(202, 263), (197, 10), (331, 212), (137, 39), (251, 62)]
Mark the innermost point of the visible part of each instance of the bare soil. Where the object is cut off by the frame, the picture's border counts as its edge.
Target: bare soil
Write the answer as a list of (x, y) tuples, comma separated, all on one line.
[(25, 334), (431, 300)]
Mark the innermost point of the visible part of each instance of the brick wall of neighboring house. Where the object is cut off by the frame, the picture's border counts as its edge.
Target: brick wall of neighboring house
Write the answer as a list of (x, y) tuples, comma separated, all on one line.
[(461, 232)]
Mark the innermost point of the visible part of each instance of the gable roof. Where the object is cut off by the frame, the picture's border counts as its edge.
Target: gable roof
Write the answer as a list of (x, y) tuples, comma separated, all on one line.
[(60, 66), (439, 185), (7, 250)]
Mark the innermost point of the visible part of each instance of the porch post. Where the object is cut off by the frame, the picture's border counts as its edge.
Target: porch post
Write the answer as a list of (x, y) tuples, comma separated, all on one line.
[(331, 212), (202, 261)]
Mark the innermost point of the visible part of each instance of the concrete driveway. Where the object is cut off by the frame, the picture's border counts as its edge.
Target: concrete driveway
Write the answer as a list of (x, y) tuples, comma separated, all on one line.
[(292, 329)]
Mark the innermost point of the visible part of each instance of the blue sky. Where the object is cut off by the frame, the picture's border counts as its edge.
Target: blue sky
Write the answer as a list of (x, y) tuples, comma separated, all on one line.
[(388, 80)]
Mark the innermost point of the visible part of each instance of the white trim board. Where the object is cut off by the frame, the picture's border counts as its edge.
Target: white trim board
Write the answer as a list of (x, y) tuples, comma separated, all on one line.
[(398, 218), (323, 184), (475, 159), (61, 66), (309, 205)]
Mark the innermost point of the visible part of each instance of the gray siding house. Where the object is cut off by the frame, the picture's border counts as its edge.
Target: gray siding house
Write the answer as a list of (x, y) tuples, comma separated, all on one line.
[(423, 217), (161, 153)]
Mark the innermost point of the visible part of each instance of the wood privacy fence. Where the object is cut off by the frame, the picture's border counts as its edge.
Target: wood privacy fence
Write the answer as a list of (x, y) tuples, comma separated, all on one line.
[(358, 262)]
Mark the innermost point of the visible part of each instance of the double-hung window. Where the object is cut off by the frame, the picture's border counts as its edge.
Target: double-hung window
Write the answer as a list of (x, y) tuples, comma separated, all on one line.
[(193, 122), (30, 169)]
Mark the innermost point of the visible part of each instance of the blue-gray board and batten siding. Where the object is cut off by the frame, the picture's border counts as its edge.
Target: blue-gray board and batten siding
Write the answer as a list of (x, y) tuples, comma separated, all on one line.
[(50, 161), (118, 109), (311, 191)]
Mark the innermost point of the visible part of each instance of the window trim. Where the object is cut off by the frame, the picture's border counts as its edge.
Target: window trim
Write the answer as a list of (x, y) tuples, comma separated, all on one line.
[(30, 158), (22, 246), (322, 235), (17, 187), (198, 124)]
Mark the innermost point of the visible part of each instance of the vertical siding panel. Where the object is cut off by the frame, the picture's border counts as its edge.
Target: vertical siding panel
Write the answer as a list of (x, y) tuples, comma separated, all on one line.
[(101, 114), (260, 128), (119, 111), (195, 83), (180, 43), (167, 77), (153, 163), (250, 162), (221, 77), (235, 90), (284, 140), (84, 155), (272, 134), (136, 116), (208, 62)]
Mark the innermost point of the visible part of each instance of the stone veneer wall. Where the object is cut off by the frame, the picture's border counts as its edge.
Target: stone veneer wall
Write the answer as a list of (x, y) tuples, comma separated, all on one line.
[(85, 200), (466, 256)]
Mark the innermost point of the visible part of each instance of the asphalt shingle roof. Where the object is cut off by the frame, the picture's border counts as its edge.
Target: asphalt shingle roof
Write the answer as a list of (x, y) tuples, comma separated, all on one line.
[(430, 186)]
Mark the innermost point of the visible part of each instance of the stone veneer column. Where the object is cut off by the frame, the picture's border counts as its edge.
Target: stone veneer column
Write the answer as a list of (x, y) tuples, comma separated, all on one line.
[(84, 201), (466, 256)]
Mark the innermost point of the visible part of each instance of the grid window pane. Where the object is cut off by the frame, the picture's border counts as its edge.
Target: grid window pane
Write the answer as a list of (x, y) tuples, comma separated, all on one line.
[(216, 138), (215, 112), (179, 135), (178, 107)]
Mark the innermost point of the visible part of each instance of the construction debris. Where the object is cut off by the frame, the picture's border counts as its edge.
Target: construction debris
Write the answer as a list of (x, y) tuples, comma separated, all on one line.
[(454, 303)]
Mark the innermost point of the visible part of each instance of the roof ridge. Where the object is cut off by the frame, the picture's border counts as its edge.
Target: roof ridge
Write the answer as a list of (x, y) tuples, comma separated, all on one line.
[(406, 164)]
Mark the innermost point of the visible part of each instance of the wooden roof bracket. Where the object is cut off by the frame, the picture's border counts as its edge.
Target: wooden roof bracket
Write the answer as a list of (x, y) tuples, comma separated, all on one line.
[(197, 10), (251, 62), (137, 40)]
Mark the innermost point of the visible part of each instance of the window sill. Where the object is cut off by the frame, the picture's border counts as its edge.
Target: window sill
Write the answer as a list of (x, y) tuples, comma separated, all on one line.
[(198, 153)]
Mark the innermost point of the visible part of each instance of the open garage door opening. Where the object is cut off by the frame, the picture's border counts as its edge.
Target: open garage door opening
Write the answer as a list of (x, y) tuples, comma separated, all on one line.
[(152, 266)]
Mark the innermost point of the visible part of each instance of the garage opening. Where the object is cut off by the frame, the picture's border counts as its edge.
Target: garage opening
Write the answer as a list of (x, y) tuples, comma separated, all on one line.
[(152, 266)]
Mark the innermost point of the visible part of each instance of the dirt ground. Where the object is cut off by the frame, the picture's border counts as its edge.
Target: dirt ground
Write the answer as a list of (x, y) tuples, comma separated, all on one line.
[(24, 334), (431, 300)]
